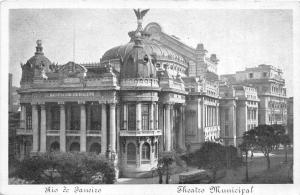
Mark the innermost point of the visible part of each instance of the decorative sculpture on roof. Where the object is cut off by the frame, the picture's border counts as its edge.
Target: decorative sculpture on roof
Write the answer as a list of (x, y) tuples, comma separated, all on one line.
[(72, 69), (140, 15)]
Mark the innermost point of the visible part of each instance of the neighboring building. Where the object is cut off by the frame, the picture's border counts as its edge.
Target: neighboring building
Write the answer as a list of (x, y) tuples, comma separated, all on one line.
[(202, 111), (150, 95), (271, 91), (238, 112), (290, 117), (13, 118)]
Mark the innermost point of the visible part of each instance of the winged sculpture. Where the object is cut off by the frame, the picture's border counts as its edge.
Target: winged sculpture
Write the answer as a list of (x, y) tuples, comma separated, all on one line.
[(140, 13)]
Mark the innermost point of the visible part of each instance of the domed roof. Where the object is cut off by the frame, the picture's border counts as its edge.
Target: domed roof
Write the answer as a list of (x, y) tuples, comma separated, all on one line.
[(39, 60), (154, 48), (138, 62)]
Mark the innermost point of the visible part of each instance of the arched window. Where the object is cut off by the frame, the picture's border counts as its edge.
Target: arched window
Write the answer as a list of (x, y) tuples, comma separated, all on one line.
[(131, 153), (146, 152), (75, 147), (95, 147), (54, 147)]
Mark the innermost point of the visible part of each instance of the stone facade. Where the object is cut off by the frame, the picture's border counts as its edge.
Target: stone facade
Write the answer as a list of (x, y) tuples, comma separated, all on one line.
[(239, 112), (150, 95), (141, 99), (271, 91), (290, 117)]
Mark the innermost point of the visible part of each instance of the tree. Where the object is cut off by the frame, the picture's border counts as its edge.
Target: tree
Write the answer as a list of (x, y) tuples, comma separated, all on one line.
[(285, 141), (66, 168), (165, 161), (267, 138), (246, 146), (211, 156)]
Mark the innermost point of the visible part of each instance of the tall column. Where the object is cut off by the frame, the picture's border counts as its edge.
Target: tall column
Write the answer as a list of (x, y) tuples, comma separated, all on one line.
[(256, 117), (183, 126), (125, 116), (172, 113), (138, 116), (23, 117), (180, 132), (205, 108), (138, 154), (156, 116), (82, 128), (43, 129), (217, 115), (152, 152), (112, 126), (232, 122), (62, 132), (35, 130), (168, 128), (49, 118), (103, 129), (151, 116), (208, 115), (89, 114), (69, 117), (211, 116)]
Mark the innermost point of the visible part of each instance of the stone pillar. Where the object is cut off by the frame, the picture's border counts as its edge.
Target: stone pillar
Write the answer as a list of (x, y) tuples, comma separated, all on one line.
[(256, 116), (48, 118), (206, 116), (156, 116), (180, 130), (89, 114), (62, 131), (232, 124), (138, 154), (103, 129), (215, 121), (138, 116), (217, 115), (69, 117), (151, 116), (117, 123), (43, 129), (168, 128), (152, 153), (125, 116), (82, 128), (212, 116), (112, 126), (35, 130), (172, 132), (183, 126), (23, 117)]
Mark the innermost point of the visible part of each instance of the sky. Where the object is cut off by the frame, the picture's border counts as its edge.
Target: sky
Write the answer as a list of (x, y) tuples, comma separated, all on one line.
[(240, 38)]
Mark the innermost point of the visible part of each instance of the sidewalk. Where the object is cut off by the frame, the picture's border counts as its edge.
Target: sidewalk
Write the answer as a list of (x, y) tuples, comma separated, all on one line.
[(174, 179)]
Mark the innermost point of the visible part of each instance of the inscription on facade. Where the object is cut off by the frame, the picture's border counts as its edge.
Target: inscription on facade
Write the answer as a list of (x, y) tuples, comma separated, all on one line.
[(72, 94)]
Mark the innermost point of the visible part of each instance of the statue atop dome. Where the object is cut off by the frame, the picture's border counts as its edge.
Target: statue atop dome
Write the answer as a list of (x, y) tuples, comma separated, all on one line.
[(140, 15)]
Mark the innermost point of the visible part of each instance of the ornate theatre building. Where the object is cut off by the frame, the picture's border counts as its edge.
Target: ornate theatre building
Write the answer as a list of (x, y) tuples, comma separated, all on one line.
[(150, 95)]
